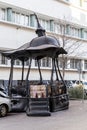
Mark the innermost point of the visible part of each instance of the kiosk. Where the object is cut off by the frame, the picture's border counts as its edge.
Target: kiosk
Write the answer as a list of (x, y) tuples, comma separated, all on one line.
[(42, 97)]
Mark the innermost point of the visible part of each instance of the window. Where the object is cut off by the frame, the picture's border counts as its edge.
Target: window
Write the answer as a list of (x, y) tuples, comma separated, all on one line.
[(85, 64), (60, 63), (9, 14), (67, 29), (72, 31), (22, 19), (57, 28), (63, 29), (3, 60), (75, 63), (46, 62), (32, 21), (85, 34), (77, 31), (35, 23), (42, 22), (17, 18), (36, 62), (17, 62), (52, 25), (13, 16), (26, 20), (27, 63), (2, 14), (47, 25), (63, 63)]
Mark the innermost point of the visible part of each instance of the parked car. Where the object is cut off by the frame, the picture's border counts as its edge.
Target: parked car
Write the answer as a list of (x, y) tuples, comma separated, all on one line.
[(19, 103), (77, 83), (19, 100), (69, 83), (5, 104)]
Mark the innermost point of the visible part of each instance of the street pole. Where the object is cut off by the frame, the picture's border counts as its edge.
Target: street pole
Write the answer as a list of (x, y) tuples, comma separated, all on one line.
[(80, 72), (83, 93)]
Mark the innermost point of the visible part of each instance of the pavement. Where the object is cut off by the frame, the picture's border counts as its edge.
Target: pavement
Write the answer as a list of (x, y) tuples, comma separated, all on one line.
[(75, 118)]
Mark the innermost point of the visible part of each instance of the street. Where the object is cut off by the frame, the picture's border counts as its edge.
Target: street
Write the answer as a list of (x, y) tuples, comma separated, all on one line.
[(75, 118)]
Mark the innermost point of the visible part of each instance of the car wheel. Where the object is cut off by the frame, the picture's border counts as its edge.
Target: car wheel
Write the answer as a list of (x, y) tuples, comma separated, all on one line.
[(3, 110)]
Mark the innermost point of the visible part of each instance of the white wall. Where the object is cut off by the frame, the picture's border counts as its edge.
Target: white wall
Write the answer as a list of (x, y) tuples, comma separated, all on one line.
[(48, 7), (4, 73), (34, 74), (72, 75), (53, 8), (78, 16), (11, 37)]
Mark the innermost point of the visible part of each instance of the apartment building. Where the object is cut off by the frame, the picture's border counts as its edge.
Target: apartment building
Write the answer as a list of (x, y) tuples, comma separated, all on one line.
[(64, 19)]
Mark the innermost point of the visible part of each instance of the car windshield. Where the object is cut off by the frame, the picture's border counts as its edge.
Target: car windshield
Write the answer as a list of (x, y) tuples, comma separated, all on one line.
[(2, 94)]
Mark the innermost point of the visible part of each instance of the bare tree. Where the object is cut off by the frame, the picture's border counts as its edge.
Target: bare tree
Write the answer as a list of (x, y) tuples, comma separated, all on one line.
[(70, 44)]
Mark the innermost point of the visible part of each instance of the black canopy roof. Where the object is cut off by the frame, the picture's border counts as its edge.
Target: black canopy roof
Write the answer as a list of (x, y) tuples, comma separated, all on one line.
[(45, 46)]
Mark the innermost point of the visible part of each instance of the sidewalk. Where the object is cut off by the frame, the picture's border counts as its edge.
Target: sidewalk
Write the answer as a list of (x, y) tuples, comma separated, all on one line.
[(75, 118)]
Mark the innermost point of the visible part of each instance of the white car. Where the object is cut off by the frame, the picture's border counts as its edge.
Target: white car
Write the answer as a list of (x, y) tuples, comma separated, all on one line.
[(5, 104)]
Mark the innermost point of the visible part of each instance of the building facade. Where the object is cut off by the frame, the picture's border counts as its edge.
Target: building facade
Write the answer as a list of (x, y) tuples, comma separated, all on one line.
[(64, 19)]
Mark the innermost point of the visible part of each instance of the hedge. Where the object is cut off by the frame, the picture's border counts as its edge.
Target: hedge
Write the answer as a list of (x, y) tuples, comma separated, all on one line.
[(77, 93)]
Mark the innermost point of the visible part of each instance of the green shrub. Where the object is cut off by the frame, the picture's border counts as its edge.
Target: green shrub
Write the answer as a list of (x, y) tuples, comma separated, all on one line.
[(77, 93)]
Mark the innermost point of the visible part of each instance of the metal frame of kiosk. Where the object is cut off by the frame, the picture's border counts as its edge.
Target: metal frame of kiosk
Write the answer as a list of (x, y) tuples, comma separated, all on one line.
[(42, 97)]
